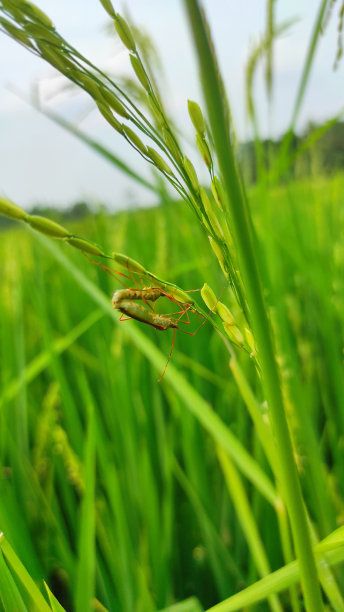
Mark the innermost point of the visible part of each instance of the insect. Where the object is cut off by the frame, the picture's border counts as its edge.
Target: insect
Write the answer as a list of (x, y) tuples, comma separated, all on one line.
[(146, 294), (138, 312), (125, 300)]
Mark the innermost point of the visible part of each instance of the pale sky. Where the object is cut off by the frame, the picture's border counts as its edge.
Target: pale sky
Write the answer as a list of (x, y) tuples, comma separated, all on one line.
[(41, 163)]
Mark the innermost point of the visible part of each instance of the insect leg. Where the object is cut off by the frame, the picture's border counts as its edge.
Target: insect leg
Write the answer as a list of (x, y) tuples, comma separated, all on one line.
[(169, 357)]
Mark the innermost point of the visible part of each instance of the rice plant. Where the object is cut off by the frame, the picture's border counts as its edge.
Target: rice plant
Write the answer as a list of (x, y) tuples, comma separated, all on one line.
[(261, 468)]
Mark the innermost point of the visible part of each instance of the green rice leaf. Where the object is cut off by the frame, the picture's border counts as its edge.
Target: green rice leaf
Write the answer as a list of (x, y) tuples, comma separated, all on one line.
[(332, 548), (85, 575), (18, 568), (188, 605), (55, 605), (9, 594)]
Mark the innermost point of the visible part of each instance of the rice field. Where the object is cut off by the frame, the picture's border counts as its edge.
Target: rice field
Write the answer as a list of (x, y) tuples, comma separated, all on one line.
[(171, 382), (139, 513)]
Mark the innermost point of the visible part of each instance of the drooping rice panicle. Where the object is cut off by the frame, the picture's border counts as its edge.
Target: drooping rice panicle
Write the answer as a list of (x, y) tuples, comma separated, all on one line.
[(112, 102)]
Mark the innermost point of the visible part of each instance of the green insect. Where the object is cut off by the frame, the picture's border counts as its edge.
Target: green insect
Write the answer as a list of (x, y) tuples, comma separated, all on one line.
[(125, 300)]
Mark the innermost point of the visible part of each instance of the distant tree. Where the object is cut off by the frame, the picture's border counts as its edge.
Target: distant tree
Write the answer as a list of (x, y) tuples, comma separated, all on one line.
[(326, 155), (77, 211)]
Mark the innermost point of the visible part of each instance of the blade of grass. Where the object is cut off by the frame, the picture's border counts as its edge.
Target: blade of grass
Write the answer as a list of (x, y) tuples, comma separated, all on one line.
[(333, 550), (24, 577), (220, 558), (261, 426), (9, 594), (246, 519), (41, 362), (188, 605), (85, 574), (55, 605), (327, 579)]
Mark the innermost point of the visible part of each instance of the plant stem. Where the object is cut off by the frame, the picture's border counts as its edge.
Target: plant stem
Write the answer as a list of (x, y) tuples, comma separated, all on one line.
[(240, 217)]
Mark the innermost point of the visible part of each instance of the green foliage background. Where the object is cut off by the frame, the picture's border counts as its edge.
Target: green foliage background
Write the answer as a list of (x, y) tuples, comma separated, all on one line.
[(165, 526), (124, 493)]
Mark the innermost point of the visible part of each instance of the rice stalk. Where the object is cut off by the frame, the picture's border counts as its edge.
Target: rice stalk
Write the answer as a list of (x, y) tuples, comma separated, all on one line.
[(260, 323)]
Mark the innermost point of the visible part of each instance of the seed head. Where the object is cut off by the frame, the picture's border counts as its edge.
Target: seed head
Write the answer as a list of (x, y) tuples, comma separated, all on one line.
[(134, 139), (115, 104), (211, 214), (110, 118), (12, 210), (159, 161), (206, 224), (204, 150), (180, 295), (156, 112), (205, 200), (140, 72), (88, 83), (209, 297), (214, 245), (108, 7), (47, 227), (58, 60), (124, 33), (217, 191), (196, 117), (233, 333), (84, 245), (35, 13), (71, 461), (130, 264), (16, 33), (16, 13), (41, 32), (250, 340), (171, 144), (191, 172), (224, 313), (17, 3)]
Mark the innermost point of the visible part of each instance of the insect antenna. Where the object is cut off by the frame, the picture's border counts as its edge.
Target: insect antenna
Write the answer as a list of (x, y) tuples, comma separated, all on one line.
[(110, 271)]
